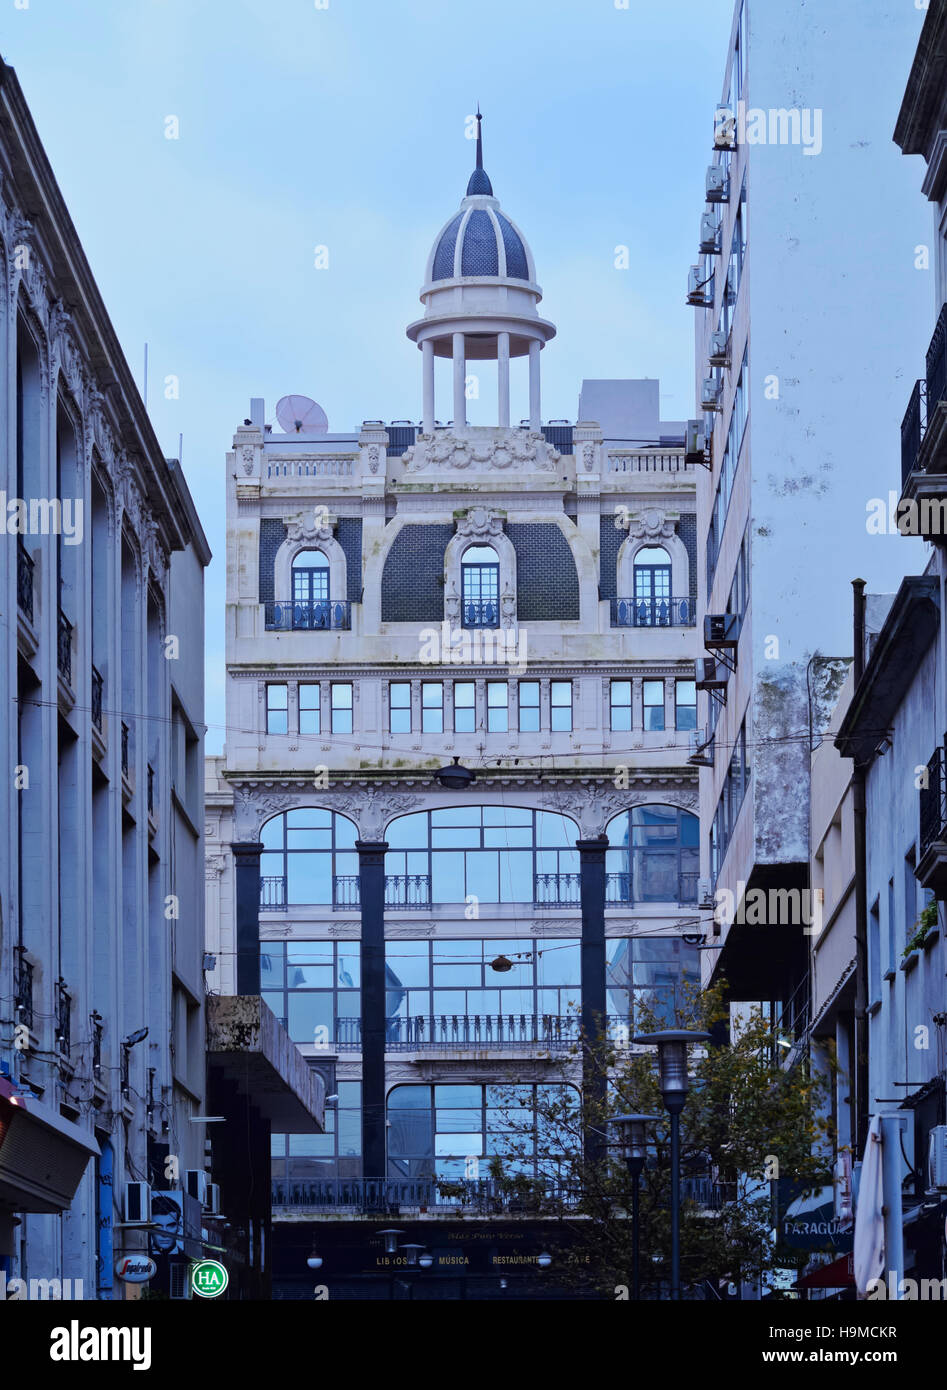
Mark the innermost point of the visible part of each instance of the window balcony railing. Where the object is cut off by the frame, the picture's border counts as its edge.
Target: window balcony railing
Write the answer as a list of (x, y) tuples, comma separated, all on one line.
[(63, 1019), (556, 890), (151, 790), (273, 893), (98, 687), (924, 414), (482, 613), (24, 991), (318, 615), (933, 807), (936, 363), (402, 891), (542, 1032), (913, 427), (390, 1195), (64, 648), (654, 612), (24, 581)]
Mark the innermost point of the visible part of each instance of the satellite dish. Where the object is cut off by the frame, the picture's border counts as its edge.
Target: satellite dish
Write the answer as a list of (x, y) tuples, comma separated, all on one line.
[(300, 415)]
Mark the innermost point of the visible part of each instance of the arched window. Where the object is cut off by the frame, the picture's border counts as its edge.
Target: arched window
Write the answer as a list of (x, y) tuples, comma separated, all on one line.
[(654, 856), (500, 854), (308, 857), (652, 587), (480, 587), (311, 596)]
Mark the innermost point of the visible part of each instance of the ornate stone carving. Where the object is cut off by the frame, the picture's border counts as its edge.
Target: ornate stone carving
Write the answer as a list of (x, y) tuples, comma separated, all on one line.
[(480, 524), (405, 930), (373, 808), (652, 524), (214, 866), (513, 449), (309, 525), (247, 455), (588, 457), (373, 458)]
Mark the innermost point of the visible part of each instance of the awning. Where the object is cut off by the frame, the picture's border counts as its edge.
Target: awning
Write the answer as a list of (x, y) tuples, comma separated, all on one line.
[(247, 1048), (42, 1155), (840, 1274)]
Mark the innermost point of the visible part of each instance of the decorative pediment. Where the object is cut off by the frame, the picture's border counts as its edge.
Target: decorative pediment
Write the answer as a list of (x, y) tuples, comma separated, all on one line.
[(313, 524), (513, 450)]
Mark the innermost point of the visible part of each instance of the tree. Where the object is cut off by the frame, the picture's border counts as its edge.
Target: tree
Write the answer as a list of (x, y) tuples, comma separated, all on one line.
[(748, 1121)]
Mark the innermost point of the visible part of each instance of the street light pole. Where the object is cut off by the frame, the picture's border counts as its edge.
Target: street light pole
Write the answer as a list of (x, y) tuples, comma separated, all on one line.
[(634, 1146), (674, 1084)]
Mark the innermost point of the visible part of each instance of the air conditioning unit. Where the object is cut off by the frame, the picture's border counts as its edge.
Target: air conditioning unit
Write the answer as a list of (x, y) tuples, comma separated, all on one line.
[(696, 289), (710, 232), (694, 442), (213, 1199), (180, 1279), (698, 757), (720, 348), (721, 630), (725, 129), (138, 1201), (717, 184), (195, 1184), (712, 675), (937, 1159), (711, 393)]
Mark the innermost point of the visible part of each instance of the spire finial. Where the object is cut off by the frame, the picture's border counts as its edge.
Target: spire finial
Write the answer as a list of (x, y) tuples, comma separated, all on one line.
[(479, 181)]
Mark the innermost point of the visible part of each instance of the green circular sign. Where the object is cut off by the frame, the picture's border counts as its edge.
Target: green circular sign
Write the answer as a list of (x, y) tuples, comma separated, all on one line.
[(209, 1278)]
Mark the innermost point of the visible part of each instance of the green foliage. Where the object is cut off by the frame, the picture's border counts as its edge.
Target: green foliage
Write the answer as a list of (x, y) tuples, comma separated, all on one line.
[(924, 924), (748, 1119)]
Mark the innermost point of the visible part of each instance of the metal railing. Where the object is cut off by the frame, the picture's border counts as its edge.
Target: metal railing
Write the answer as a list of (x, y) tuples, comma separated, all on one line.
[(24, 990), (476, 1031), (402, 891), (933, 804), (485, 613), (317, 615), (63, 1019), (560, 437), (654, 612), (125, 749), (936, 363), (64, 647), (913, 428), (24, 580), (151, 790), (98, 687), (390, 1194), (556, 890)]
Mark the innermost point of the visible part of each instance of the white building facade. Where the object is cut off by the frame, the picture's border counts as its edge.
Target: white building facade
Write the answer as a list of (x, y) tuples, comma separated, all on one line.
[(519, 601)]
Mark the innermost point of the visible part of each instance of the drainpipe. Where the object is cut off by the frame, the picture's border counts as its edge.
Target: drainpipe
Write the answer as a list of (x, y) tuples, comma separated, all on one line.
[(860, 1048)]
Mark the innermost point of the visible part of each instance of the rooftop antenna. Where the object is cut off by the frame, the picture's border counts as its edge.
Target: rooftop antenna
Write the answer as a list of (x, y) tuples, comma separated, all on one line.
[(300, 415), (479, 179)]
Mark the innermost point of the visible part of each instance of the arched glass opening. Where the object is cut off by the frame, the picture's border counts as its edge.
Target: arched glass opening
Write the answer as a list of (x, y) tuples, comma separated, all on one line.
[(654, 856), (311, 607), (652, 587), (480, 587), (499, 854), (306, 852)]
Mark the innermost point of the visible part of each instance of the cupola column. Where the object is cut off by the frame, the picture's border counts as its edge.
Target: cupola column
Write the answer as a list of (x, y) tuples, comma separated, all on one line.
[(427, 385), (460, 374), (503, 379), (535, 417)]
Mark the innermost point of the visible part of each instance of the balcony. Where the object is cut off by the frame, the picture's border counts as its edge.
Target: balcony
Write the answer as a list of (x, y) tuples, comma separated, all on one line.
[(932, 848), (64, 648), (24, 990), (924, 446), (125, 750), (24, 581), (405, 892), (671, 460), (476, 1032), (562, 890), (480, 614), (98, 687), (381, 1196), (288, 615), (654, 612)]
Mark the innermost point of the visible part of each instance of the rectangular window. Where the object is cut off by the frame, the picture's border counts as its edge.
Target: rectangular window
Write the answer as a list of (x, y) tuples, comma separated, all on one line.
[(653, 698), (465, 707), (498, 707), (874, 954), (277, 709), (685, 704), (309, 709), (432, 707), (342, 708), (561, 706), (529, 707), (399, 702), (621, 706)]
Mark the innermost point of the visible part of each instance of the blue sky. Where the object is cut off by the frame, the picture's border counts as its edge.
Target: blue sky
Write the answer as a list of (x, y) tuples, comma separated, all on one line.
[(345, 127)]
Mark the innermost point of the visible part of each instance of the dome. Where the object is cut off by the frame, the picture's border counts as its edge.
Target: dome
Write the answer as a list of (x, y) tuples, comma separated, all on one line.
[(480, 240)]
